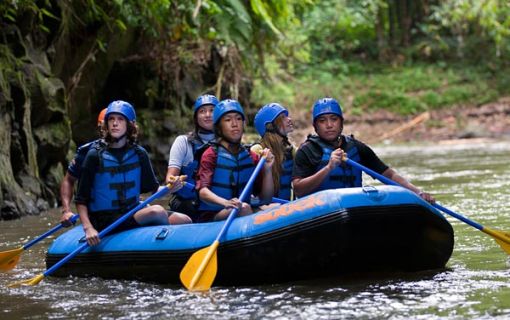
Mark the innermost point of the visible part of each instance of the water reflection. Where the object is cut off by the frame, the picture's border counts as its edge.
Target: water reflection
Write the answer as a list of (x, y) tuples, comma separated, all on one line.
[(472, 179)]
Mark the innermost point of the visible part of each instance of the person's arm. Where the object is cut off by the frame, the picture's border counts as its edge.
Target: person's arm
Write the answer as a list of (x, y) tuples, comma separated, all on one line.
[(308, 184), (372, 161), (67, 186), (206, 195), (91, 234), (83, 196), (66, 196), (267, 191), (393, 175), (180, 155), (172, 173)]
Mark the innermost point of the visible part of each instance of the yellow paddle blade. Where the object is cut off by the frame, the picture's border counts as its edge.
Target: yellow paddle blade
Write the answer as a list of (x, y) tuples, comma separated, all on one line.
[(30, 282), (502, 238), (199, 272), (9, 259)]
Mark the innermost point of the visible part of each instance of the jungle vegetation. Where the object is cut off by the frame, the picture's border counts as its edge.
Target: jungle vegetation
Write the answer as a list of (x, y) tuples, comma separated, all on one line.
[(405, 55)]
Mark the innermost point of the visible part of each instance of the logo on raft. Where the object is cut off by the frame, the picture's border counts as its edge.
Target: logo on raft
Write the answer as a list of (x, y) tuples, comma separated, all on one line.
[(290, 208)]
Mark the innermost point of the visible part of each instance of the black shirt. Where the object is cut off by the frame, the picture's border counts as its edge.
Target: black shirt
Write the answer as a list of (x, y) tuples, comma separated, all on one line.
[(309, 155), (149, 183)]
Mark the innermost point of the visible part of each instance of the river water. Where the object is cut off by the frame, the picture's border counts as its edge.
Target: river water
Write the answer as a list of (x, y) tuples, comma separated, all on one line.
[(471, 178)]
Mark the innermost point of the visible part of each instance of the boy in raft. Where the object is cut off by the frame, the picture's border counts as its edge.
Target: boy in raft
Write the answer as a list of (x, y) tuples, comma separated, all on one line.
[(227, 165), (73, 174), (114, 174), (184, 155), (318, 162), (273, 124)]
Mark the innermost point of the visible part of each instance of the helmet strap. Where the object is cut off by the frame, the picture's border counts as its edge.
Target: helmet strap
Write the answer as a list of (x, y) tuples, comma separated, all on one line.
[(116, 140)]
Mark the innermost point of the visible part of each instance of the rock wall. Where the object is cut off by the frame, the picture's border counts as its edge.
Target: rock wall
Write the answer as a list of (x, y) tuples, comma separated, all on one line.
[(34, 128), (54, 84)]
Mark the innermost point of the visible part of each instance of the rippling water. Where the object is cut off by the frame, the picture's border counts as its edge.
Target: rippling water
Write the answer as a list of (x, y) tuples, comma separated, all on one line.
[(472, 179)]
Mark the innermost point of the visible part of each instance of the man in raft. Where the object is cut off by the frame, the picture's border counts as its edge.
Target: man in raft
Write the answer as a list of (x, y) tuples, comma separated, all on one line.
[(318, 162), (73, 174)]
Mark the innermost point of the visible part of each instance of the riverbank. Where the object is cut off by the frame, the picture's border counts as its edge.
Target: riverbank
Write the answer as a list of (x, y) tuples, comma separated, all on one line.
[(487, 121)]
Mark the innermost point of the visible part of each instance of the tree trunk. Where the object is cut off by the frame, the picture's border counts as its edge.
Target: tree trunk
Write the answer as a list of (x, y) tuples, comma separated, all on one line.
[(379, 31)]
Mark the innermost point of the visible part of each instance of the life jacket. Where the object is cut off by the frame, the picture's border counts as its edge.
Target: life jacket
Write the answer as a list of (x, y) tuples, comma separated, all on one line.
[(84, 149), (74, 167), (231, 174), (117, 184), (343, 176), (286, 176), (198, 147)]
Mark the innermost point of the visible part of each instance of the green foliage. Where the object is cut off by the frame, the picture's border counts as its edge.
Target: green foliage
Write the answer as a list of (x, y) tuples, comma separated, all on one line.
[(463, 26), (403, 90), (11, 10), (298, 50), (339, 27)]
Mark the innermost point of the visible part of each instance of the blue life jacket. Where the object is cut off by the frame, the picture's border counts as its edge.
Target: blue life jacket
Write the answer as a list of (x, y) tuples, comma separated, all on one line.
[(286, 177), (230, 176), (198, 146), (117, 184), (74, 167), (343, 176)]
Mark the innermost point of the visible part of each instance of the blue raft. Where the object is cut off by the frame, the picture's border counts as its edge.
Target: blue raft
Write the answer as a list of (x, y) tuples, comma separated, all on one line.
[(329, 233)]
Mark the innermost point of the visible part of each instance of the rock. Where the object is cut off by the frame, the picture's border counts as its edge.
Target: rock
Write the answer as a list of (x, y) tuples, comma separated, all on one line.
[(30, 184), (42, 205), (9, 211)]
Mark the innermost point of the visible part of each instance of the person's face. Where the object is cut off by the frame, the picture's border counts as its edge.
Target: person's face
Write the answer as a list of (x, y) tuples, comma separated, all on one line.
[(204, 117), (232, 126), (328, 126), (117, 125), (286, 126)]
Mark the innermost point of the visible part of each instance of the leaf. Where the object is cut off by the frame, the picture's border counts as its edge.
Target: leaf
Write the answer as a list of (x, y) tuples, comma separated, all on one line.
[(239, 11), (120, 24), (259, 9), (49, 14)]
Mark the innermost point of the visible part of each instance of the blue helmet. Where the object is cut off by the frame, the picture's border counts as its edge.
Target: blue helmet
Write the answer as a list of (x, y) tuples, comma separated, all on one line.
[(225, 106), (326, 106), (268, 114), (203, 100), (122, 107)]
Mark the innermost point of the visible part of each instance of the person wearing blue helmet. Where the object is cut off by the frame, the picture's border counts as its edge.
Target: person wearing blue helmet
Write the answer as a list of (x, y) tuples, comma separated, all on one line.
[(115, 174), (185, 152), (227, 165), (273, 124), (73, 174), (318, 162)]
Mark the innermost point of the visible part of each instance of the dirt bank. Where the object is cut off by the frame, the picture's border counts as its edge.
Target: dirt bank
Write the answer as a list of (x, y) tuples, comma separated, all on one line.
[(491, 120)]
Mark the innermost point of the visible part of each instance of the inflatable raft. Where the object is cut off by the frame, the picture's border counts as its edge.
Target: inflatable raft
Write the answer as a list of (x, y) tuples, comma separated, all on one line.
[(329, 233)]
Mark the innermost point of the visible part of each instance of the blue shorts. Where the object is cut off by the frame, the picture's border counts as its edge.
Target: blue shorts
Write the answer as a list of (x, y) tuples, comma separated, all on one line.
[(101, 220)]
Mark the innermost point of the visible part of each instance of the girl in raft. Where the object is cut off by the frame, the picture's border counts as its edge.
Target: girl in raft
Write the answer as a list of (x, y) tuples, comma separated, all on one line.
[(227, 165), (184, 155), (273, 124)]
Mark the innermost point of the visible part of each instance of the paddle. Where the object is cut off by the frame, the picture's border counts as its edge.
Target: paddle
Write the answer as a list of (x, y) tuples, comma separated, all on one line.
[(199, 272), (115, 224), (502, 238), (9, 259), (273, 199)]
